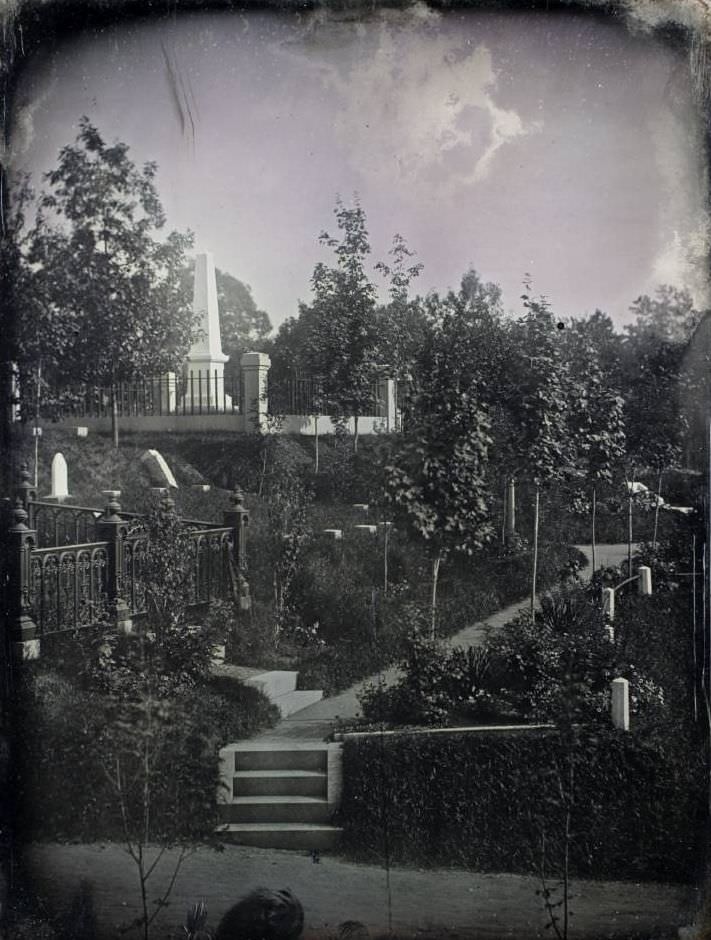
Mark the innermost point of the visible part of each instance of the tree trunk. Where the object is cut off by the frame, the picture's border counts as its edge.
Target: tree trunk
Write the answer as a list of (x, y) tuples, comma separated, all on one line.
[(316, 444), (386, 528), (534, 573), (355, 434), (436, 561), (656, 509), (114, 417), (629, 533), (592, 534), (510, 510)]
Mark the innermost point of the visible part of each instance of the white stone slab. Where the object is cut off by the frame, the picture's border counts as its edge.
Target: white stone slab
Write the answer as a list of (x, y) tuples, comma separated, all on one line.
[(158, 469), (59, 487)]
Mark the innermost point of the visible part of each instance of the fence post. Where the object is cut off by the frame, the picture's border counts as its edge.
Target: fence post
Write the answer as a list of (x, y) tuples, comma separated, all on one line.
[(25, 491), (255, 372), (237, 518), (22, 629), (111, 528)]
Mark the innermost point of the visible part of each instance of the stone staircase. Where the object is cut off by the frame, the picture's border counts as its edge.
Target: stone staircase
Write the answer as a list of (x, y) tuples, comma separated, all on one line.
[(279, 686), (280, 795)]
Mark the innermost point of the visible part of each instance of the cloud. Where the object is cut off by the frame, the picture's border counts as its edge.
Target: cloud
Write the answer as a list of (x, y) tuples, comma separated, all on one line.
[(413, 105)]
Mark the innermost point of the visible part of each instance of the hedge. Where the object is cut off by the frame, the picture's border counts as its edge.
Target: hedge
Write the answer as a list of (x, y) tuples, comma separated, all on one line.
[(483, 800)]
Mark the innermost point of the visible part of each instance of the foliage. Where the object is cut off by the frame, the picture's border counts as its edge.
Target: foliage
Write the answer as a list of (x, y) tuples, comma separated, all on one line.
[(481, 800), (71, 735), (335, 338), (104, 297)]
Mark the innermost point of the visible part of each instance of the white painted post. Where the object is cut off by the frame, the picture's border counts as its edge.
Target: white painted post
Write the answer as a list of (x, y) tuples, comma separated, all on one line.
[(255, 374), (621, 704), (608, 602), (644, 583), (59, 489), (390, 405)]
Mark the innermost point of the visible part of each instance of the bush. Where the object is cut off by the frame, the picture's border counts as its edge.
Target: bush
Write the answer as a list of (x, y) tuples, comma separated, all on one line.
[(72, 737), (484, 800)]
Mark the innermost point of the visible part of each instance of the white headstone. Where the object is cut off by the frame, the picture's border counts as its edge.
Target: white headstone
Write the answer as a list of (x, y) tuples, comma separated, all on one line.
[(645, 579), (335, 534), (158, 470), (59, 489), (608, 602), (621, 704), (82, 432), (370, 529), (362, 507)]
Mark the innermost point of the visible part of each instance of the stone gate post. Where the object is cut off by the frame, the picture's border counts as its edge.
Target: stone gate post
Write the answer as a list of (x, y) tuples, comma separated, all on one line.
[(255, 382)]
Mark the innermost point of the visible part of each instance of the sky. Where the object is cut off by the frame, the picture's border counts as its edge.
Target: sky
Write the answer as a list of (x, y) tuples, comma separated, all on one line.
[(556, 145)]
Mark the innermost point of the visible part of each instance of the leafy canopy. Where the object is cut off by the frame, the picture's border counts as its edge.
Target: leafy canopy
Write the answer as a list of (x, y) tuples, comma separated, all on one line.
[(105, 297)]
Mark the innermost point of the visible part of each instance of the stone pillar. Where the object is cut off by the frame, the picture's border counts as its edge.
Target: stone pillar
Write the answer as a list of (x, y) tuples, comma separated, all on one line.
[(21, 625), (111, 528), (237, 518), (255, 382), (510, 522), (621, 704), (387, 403), (644, 582)]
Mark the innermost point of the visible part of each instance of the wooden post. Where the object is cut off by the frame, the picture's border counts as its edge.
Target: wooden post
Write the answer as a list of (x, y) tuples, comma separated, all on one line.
[(111, 528), (620, 704), (237, 518), (22, 628)]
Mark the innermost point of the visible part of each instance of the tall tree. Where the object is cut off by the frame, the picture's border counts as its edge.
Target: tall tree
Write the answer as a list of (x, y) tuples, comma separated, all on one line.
[(437, 478), (339, 329), (595, 411), (106, 299), (537, 399)]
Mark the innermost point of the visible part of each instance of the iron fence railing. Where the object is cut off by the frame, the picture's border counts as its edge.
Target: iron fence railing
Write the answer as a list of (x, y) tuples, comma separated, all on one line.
[(199, 392)]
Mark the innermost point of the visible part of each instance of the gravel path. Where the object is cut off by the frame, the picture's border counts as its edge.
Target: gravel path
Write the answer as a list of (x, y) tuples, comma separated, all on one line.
[(433, 904)]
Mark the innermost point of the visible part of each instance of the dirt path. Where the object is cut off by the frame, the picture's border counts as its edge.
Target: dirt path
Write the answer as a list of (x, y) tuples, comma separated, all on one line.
[(433, 904), (317, 721)]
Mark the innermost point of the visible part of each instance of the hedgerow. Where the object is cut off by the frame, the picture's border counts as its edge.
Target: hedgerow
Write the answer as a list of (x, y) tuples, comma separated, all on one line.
[(491, 801)]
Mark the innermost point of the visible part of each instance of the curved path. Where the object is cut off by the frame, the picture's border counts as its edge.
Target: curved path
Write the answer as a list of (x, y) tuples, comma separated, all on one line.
[(317, 721)]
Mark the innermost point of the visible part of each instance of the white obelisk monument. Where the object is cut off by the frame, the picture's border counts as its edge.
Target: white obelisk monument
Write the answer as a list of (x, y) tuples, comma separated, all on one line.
[(206, 361)]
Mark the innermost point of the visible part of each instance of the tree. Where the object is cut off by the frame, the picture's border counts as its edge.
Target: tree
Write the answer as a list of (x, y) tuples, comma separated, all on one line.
[(670, 315), (152, 682), (106, 299), (402, 325), (652, 357), (437, 477), (596, 413), (537, 399), (338, 330)]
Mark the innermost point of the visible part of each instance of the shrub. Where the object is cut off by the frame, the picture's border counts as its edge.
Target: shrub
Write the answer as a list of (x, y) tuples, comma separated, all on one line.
[(74, 736), (484, 800)]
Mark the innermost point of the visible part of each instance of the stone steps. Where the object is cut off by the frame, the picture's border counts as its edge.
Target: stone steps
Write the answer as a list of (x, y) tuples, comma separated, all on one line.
[(279, 686), (279, 794), (297, 836)]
